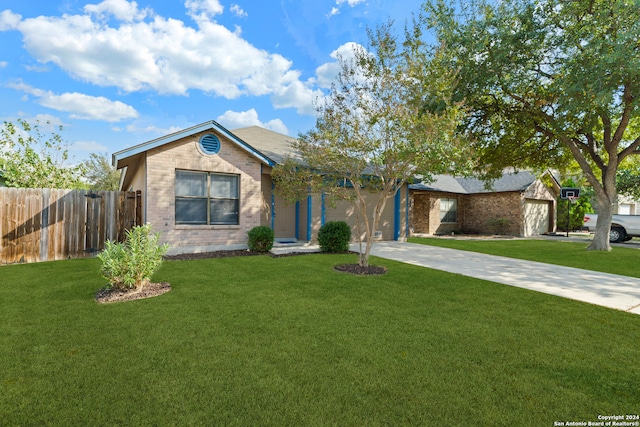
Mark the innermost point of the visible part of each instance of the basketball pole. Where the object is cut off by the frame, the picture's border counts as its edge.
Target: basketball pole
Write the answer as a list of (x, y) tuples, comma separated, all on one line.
[(568, 215)]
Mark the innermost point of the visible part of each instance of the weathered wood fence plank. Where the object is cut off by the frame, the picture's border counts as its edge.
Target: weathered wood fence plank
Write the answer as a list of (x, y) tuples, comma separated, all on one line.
[(51, 224)]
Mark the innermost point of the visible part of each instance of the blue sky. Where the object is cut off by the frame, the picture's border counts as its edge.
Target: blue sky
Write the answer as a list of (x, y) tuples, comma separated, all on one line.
[(116, 73)]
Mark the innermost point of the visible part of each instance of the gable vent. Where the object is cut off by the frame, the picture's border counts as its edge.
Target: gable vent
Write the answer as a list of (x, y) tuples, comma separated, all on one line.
[(210, 144)]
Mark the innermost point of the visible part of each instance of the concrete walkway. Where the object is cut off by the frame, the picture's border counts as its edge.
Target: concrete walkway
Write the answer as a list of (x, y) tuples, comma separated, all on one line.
[(608, 290)]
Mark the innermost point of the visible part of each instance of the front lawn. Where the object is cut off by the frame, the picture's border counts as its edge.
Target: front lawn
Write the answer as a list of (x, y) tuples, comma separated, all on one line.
[(288, 341), (619, 260)]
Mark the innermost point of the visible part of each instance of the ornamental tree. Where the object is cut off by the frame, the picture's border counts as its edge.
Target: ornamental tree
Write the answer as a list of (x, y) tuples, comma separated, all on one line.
[(100, 174), (373, 133), (33, 159), (546, 82)]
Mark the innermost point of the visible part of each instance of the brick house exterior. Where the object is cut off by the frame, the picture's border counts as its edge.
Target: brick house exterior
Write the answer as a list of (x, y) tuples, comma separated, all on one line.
[(205, 187), (517, 204)]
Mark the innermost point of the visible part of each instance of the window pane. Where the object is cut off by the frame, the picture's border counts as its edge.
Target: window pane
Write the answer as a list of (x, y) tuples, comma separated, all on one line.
[(191, 184), (191, 211), (224, 186), (224, 211), (448, 210)]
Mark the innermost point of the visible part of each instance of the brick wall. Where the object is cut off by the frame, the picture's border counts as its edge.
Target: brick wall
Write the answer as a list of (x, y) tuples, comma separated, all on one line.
[(497, 207), (185, 154), (426, 213), (475, 211)]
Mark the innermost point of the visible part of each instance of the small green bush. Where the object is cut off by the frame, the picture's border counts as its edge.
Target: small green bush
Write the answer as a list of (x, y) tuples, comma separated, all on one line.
[(499, 225), (334, 236), (260, 239), (129, 265)]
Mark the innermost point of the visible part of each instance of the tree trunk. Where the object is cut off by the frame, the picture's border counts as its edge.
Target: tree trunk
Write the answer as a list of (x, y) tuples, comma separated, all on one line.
[(601, 237), (377, 214), (371, 227), (362, 216), (605, 199)]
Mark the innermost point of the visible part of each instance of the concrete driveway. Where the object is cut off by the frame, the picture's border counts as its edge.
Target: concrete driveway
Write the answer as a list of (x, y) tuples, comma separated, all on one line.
[(608, 290)]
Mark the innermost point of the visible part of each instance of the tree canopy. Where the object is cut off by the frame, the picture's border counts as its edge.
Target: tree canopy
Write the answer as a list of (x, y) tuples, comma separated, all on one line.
[(373, 133), (546, 82), (100, 174), (33, 158)]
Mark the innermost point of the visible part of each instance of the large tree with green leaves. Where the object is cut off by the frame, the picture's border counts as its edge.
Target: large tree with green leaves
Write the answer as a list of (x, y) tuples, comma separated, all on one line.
[(36, 158), (373, 133), (547, 81)]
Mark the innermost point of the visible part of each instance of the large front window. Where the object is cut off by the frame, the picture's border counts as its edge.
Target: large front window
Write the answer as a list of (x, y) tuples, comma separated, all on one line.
[(448, 210), (207, 198)]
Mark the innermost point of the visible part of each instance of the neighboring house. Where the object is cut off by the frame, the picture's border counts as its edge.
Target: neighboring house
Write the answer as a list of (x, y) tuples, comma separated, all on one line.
[(205, 187), (627, 206), (516, 204)]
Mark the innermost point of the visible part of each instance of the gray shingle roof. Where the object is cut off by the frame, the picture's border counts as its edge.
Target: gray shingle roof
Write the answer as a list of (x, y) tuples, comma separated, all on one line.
[(508, 182), (272, 144)]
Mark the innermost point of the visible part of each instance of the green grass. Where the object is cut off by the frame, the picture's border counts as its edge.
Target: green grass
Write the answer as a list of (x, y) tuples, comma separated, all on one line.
[(289, 341), (619, 260)]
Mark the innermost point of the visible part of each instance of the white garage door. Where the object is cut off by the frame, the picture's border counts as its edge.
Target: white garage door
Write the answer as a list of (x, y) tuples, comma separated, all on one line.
[(536, 217)]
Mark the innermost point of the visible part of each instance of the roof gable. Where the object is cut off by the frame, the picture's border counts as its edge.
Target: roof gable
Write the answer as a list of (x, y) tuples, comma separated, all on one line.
[(203, 127)]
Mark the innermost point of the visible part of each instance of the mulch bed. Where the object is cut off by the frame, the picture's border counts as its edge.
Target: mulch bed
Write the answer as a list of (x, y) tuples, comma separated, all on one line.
[(357, 269), (105, 296), (216, 254)]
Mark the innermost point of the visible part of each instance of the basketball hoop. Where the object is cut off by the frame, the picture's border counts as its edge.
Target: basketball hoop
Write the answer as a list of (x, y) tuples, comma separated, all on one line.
[(572, 199)]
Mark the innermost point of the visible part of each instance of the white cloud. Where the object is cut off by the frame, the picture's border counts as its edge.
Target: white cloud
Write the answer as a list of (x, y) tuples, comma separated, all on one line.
[(336, 10), (80, 106), (351, 3), (157, 53), (119, 9), (9, 20), (3, 64), (88, 147), (238, 11), (233, 120), (297, 95), (327, 73), (203, 9), (37, 68), (134, 128)]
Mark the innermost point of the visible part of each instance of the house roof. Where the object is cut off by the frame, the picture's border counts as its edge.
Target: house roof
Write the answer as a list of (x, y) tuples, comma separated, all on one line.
[(518, 181), (203, 127), (273, 144)]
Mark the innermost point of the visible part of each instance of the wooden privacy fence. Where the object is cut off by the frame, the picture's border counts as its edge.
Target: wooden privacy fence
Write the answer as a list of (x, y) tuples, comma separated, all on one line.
[(49, 224)]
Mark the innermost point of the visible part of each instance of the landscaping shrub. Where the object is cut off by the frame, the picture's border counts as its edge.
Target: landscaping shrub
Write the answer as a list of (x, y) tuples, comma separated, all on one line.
[(499, 225), (129, 265), (334, 236), (260, 239)]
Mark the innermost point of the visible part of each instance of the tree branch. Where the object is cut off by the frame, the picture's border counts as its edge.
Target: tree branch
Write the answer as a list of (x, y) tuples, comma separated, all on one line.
[(631, 149), (591, 149), (627, 99), (606, 121)]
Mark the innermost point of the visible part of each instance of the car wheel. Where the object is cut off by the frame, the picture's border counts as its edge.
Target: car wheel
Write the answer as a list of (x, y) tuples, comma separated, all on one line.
[(617, 235)]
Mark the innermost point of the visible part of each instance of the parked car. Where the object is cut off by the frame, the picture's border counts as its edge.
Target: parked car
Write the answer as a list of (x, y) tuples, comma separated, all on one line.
[(623, 227)]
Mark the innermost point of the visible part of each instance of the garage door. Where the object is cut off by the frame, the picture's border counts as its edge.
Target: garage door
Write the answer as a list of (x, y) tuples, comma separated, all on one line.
[(536, 217)]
